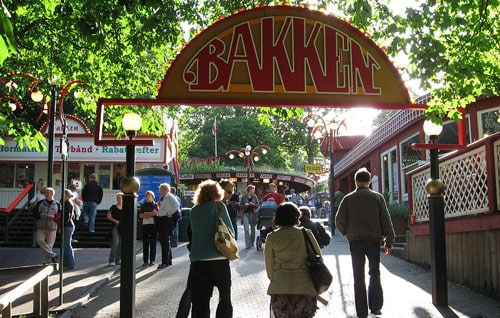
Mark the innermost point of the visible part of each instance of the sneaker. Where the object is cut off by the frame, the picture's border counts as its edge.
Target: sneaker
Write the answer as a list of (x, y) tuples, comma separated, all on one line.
[(145, 264), (151, 264), (111, 264), (91, 231)]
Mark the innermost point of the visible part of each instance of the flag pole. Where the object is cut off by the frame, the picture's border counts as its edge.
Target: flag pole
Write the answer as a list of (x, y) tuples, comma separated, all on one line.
[(215, 135)]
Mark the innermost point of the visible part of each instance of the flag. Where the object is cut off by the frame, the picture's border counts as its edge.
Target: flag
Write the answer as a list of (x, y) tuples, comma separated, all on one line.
[(214, 128)]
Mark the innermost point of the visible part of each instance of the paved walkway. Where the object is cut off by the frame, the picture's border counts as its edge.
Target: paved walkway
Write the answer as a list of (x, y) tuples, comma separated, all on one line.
[(406, 287)]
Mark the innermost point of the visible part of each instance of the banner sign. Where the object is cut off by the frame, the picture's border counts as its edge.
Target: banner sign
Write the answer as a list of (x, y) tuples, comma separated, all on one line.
[(283, 55), (83, 149)]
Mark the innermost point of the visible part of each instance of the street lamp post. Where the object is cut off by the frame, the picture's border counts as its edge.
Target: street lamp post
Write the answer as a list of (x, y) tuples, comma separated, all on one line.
[(435, 187), (129, 185), (331, 132), (249, 155), (37, 97)]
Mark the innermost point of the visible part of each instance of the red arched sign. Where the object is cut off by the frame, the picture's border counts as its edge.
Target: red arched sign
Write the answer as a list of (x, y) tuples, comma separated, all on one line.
[(282, 56)]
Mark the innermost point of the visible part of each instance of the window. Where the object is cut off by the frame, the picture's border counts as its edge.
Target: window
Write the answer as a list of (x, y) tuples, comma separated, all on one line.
[(25, 173), (390, 175), (118, 174), (488, 122), (410, 159), (104, 175), (16, 175)]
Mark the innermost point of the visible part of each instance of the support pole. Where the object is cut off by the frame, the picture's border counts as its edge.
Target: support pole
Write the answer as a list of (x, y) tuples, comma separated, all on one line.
[(331, 180), (435, 188), (52, 124), (128, 236)]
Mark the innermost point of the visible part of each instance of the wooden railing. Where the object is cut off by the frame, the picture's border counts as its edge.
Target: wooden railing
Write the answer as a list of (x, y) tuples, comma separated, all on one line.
[(38, 282), (471, 177)]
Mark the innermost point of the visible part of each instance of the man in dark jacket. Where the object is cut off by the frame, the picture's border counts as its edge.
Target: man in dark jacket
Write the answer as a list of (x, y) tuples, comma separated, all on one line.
[(363, 217), (91, 196), (316, 228)]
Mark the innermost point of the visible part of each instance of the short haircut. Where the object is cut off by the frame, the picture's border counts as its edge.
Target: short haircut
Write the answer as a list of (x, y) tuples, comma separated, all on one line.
[(208, 190), (92, 176), (225, 183), (287, 214), (362, 175), (272, 185), (173, 190), (50, 190), (165, 186), (306, 212)]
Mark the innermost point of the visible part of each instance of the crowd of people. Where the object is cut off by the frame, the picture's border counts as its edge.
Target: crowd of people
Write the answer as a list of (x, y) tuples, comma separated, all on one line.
[(361, 216)]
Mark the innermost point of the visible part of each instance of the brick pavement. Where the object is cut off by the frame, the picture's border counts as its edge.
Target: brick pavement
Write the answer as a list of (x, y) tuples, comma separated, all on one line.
[(406, 287)]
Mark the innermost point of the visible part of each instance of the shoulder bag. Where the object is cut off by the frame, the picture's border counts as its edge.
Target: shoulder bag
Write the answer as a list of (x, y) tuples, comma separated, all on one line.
[(224, 238), (320, 275)]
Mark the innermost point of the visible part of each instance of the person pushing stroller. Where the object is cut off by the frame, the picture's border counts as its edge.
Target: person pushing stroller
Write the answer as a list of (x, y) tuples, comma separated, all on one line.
[(265, 216)]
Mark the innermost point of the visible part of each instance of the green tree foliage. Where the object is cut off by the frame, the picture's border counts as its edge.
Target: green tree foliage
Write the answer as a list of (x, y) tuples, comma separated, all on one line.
[(119, 49), (7, 42)]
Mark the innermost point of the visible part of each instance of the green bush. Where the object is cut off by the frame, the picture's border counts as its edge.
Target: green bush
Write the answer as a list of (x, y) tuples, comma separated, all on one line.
[(398, 210)]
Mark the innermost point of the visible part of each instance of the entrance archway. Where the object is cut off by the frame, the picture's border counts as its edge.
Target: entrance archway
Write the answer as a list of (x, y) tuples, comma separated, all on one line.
[(277, 56)]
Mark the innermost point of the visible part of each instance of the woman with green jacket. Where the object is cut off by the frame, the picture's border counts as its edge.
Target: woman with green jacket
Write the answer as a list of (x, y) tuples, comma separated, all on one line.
[(291, 288)]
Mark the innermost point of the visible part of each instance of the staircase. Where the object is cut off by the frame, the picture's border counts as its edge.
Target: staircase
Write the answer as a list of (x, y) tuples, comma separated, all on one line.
[(20, 233)]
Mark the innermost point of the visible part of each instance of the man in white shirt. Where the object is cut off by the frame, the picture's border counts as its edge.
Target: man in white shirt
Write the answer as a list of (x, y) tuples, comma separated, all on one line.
[(167, 206)]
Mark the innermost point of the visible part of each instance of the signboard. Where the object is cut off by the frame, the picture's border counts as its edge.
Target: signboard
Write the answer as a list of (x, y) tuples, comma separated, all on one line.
[(84, 149), (151, 179), (283, 55), (314, 168)]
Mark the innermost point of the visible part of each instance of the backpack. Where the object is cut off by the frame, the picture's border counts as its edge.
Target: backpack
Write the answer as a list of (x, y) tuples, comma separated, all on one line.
[(321, 236)]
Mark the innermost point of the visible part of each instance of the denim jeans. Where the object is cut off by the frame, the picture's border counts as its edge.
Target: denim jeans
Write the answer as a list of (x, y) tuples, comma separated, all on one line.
[(249, 227), (89, 213), (375, 294), (174, 238), (234, 221), (116, 246), (69, 256)]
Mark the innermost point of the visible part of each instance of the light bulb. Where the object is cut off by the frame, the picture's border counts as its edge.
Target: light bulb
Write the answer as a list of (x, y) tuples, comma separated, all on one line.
[(36, 95)]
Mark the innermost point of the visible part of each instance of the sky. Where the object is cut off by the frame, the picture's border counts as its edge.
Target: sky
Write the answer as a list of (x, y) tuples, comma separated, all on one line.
[(359, 121)]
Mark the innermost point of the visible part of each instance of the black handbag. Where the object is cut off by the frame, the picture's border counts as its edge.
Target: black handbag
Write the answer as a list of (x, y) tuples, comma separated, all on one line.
[(320, 275)]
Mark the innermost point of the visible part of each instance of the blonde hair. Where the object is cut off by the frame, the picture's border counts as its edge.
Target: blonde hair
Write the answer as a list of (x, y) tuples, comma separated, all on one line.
[(208, 190)]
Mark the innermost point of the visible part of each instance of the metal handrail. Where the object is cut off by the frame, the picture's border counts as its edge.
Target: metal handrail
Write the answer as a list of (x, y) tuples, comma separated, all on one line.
[(39, 282)]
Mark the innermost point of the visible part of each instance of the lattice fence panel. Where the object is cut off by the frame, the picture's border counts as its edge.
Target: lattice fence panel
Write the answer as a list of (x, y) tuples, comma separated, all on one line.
[(466, 186), (496, 148)]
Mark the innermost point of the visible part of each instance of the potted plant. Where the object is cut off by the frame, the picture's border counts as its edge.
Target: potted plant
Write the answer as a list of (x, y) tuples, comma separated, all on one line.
[(399, 217)]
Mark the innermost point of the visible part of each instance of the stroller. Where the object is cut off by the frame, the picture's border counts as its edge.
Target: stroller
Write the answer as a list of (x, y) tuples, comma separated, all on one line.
[(265, 216)]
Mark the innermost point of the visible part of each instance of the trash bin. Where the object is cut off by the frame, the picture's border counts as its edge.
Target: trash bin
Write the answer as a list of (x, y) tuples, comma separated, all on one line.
[(183, 225)]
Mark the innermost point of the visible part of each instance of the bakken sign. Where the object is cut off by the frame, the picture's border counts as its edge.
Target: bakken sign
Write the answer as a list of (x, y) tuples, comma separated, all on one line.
[(283, 56)]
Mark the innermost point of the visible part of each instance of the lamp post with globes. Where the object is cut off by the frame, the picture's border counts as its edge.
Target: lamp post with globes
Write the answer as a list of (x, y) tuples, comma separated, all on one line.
[(250, 155), (131, 123), (330, 131)]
